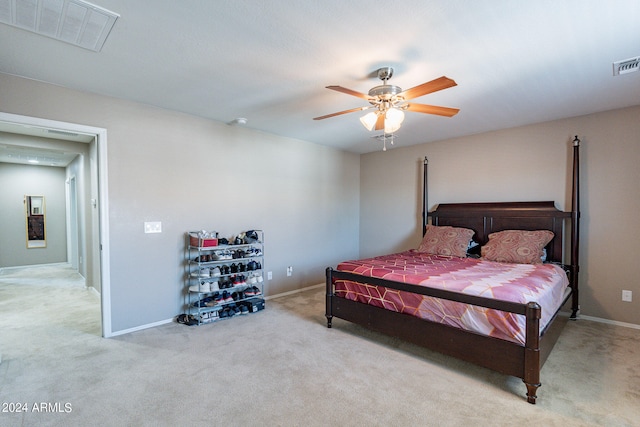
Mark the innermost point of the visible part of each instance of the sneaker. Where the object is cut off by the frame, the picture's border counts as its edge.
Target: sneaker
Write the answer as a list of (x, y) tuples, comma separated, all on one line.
[(201, 287), (214, 286), (203, 302), (244, 309), (226, 297), (203, 272)]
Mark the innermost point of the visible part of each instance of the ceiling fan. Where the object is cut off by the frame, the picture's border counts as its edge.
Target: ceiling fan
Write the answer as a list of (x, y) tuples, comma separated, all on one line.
[(389, 102)]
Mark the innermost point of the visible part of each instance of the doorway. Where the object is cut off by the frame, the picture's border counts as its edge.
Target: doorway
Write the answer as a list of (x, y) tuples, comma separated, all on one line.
[(97, 233)]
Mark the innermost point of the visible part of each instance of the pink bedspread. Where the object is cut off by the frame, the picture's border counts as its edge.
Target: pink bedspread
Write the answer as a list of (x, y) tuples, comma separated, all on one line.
[(522, 283)]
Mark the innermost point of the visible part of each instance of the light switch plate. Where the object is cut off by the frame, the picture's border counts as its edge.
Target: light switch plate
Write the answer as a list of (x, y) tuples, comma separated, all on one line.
[(153, 227)]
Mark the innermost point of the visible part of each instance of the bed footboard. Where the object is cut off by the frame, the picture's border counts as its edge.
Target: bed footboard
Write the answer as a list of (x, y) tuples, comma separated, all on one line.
[(522, 361)]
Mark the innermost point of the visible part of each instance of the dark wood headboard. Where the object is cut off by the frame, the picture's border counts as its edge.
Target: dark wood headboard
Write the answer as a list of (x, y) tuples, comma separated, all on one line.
[(487, 218)]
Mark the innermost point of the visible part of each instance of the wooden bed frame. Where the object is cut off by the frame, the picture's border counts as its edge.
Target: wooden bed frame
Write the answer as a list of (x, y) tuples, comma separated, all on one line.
[(522, 361)]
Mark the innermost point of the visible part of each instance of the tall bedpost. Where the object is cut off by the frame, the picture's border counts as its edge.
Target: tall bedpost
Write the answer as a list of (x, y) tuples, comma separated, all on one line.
[(575, 227), (329, 297), (425, 196)]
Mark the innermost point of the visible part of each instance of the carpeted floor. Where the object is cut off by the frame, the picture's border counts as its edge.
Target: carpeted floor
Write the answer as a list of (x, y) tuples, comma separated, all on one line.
[(280, 367)]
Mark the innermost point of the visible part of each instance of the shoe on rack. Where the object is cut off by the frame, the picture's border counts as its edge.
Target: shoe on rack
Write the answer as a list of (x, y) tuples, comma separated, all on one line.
[(215, 272), (226, 297), (214, 286), (203, 272), (203, 302), (201, 287), (251, 236), (244, 309)]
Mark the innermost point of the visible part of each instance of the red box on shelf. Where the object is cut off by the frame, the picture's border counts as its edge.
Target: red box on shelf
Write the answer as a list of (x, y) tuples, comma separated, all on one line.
[(198, 242)]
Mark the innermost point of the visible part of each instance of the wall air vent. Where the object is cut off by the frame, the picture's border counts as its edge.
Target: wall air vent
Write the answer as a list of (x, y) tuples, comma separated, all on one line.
[(72, 21), (626, 66)]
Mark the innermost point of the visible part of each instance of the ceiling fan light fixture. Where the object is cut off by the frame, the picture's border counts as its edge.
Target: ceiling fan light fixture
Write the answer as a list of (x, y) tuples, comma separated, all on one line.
[(393, 120), (369, 120)]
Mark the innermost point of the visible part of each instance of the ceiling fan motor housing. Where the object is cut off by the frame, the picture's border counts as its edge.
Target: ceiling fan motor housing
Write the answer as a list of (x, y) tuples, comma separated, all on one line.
[(384, 92)]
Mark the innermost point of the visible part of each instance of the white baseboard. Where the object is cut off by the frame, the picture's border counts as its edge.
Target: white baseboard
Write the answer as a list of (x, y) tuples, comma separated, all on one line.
[(284, 294), (93, 290), (140, 328), (607, 321)]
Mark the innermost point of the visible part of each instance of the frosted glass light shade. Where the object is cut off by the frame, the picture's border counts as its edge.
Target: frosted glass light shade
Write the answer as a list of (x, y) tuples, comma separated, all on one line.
[(393, 120), (369, 120)]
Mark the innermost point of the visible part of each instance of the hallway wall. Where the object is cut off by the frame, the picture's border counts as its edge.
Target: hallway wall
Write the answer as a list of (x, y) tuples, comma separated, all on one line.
[(16, 181)]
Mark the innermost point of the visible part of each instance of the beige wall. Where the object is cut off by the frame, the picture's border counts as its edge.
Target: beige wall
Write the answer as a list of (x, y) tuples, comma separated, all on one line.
[(319, 205), (16, 182), (191, 174), (525, 163)]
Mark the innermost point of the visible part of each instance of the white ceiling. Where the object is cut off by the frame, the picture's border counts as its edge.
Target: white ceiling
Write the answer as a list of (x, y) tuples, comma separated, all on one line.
[(515, 62)]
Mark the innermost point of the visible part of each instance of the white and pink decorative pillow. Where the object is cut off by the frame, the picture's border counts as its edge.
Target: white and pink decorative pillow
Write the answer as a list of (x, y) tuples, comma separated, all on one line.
[(517, 246), (446, 240)]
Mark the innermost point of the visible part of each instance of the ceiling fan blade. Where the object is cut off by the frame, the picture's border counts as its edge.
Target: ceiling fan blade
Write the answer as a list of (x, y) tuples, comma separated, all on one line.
[(353, 110), (428, 87), (433, 109), (380, 122), (349, 92)]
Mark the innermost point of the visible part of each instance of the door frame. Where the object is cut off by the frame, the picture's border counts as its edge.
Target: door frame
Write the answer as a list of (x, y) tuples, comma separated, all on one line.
[(73, 247), (103, 197)]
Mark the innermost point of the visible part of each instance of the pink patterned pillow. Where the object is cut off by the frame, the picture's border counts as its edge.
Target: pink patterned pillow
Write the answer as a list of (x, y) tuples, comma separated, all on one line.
[(516, 246), (446, 240)]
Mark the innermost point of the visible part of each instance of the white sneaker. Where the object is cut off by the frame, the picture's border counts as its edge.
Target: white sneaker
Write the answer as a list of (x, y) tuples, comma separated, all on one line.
[(201, 287), (204, 272), (214, 286)]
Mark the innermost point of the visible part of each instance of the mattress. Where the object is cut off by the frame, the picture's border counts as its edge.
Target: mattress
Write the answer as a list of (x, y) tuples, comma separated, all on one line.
[(544, 284)]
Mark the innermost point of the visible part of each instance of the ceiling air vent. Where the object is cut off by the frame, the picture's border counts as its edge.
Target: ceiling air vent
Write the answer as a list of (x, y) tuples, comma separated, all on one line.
[(626, 66), (72, 21)]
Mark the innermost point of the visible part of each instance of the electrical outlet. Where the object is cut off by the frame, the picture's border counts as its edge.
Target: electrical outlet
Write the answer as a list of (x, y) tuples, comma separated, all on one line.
[(153, 227), (289, 271), (269, 275), (627, 296)]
